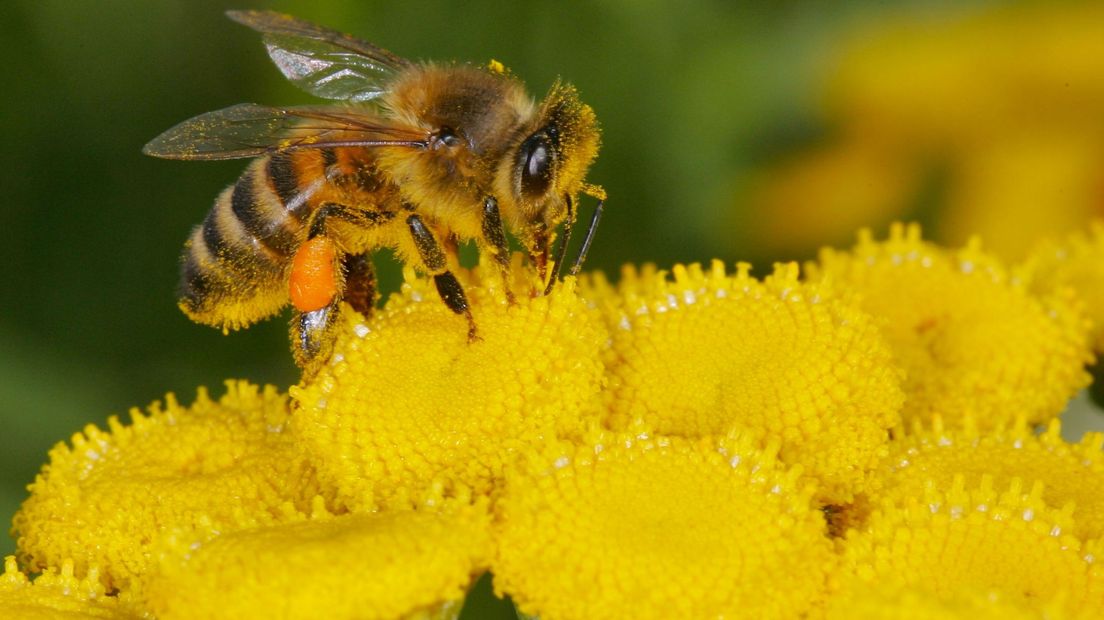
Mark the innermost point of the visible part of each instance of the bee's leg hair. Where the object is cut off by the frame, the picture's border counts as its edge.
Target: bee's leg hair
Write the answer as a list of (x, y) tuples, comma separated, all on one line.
[(494, 233), (433, 257), (312, 336)]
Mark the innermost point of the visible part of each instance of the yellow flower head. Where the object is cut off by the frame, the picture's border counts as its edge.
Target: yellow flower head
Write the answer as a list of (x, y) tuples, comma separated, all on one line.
[(103, 500), (707, 351), (970, 338), (365, 566), (1076, 263), (934, 456), (658, 527), (962, 541), (56, 595), (409, 406)]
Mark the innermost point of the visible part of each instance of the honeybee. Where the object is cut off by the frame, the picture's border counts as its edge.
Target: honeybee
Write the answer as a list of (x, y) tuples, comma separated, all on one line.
[(417, 157)]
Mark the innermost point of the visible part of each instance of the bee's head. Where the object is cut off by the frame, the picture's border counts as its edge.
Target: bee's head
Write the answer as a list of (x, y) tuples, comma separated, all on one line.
[(549, 160)]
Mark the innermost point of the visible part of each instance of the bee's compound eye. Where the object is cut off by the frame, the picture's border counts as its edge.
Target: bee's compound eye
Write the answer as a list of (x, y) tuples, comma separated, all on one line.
[(535, 158)]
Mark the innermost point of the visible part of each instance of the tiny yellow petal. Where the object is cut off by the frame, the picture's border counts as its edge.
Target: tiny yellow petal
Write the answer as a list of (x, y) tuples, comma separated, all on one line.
[(57, 595), (705, 351), (970, 338), (410, 407), (636, 527), (934, 456), (364, 566), (967, 540), (104, 498)]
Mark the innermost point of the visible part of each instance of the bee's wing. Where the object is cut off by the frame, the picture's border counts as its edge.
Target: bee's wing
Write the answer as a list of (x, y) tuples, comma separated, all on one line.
[(249, 130), (323, 62)]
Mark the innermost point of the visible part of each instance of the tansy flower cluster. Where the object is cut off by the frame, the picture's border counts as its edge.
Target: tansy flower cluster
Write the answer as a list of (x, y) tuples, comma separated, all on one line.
[(998, 116), (852, 439)]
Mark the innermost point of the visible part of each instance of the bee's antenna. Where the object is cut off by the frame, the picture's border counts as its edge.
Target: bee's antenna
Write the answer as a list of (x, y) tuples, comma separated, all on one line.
[(581, 258)]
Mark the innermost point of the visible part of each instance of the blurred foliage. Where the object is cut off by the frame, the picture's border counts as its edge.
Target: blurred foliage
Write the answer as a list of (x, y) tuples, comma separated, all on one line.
[(702, 104)]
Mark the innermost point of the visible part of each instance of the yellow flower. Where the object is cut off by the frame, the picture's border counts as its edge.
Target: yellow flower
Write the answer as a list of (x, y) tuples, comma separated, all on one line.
[(413, 565), (57, 595), (661, 448), (707, 352), (995, 130), (964, 541), (972, 339), (103, 500), (410, 407), (1077, 262), (934, 457), (659, 527)]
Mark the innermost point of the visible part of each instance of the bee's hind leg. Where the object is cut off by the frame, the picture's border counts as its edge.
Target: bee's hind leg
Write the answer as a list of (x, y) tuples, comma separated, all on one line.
[(312, 336), (433, 257)]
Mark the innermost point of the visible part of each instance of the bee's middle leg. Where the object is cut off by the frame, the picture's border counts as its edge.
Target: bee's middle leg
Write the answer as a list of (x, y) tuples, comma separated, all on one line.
[(433, 257), (360, 283)]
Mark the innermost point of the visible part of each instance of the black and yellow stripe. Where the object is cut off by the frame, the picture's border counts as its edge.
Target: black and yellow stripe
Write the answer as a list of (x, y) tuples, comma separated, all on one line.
[(234, 264)]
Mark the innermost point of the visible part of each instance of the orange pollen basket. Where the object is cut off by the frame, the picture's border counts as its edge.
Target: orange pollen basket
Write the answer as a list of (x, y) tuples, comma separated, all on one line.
[(312, 285)]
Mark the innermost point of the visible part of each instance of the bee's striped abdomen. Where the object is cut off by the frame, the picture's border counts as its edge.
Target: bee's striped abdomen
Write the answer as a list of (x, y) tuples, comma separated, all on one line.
[(235, 263)]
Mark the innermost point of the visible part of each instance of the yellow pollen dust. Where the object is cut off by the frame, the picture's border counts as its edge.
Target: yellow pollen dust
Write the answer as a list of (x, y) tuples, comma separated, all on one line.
[(701, 351), (368, 566), (962, 541), (410, 408), (624, 526), (104, 498), (970, 338)]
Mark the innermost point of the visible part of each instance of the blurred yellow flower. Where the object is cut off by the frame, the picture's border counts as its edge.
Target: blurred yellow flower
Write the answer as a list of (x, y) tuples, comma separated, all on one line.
[(1075, 262), (698, 443), (102, 501), (703, 352), (972, 339), (659, 527), (984, 117)]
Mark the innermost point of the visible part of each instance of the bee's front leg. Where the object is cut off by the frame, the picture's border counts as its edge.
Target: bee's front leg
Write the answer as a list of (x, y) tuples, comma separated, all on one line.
[(494, 235), (433, 257)]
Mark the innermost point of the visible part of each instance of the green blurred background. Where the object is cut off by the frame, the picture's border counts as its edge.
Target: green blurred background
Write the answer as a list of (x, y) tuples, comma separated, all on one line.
[(751, 131)]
